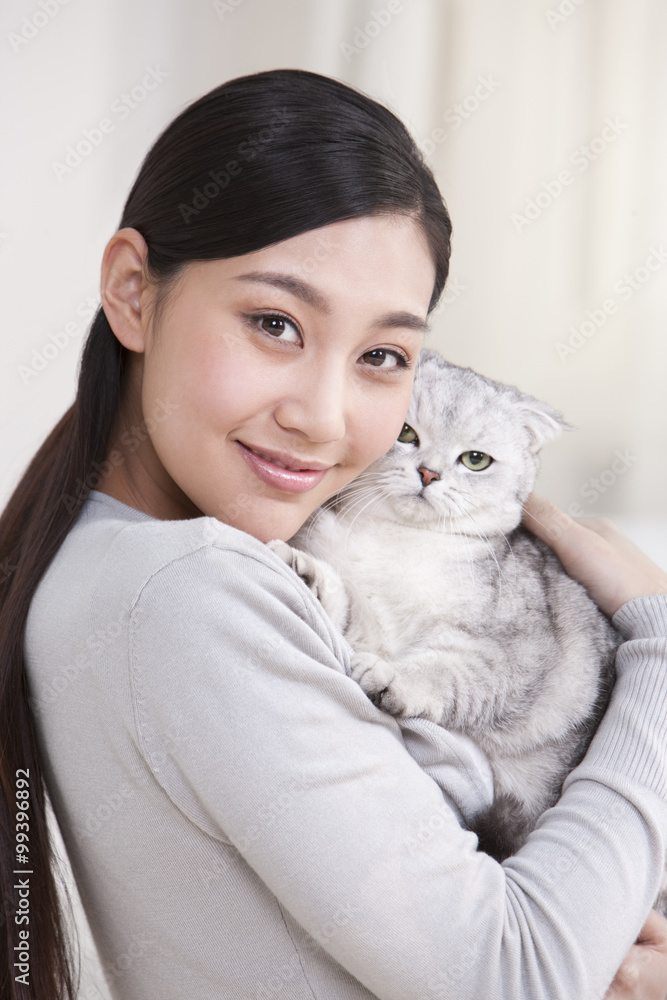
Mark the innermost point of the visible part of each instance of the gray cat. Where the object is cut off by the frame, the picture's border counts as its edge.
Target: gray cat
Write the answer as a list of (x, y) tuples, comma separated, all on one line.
[(453, 610)]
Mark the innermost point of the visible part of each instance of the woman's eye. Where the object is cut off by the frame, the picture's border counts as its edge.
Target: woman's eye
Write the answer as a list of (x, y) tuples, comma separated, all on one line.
[(278, 327), (475, 460), (381, 357), (408, 435)]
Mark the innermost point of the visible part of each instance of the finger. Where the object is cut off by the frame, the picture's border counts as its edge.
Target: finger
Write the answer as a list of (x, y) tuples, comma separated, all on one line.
[(571, 539), (544, 519), (642, 976), (596, 554), (626, 979), (624, 546), (654, 931), (548, 522)]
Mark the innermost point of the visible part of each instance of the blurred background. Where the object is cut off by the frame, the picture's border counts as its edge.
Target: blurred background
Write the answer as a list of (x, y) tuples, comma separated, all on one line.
[(545, 122)]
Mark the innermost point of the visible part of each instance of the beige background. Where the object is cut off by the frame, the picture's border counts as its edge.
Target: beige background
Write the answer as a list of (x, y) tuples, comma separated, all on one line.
[(552, 82), (515, 88)]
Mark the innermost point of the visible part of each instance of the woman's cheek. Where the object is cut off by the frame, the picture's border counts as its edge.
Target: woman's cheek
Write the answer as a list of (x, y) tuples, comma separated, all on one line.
[(383, 425)]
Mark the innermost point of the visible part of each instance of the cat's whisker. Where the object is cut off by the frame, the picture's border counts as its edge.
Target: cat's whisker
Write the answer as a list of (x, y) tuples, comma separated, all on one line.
[(357, 498), (374, 499), (346, 498), (470, 562), (362, 479), (470, 497), (315, 516), (342, 496), (361, 482), (509, 546), (361, 500), (375, 493), (484, 537), (442, 526)]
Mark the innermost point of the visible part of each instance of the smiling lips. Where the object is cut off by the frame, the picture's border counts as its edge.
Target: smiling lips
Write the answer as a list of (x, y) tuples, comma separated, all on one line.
[(282, 471)]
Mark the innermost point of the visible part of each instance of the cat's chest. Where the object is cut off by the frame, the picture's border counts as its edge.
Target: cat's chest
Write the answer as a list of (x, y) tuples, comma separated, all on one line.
[(401, 579)]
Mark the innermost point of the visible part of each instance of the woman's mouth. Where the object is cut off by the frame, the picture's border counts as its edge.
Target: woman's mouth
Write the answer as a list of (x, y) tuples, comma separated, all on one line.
[(282, 471)]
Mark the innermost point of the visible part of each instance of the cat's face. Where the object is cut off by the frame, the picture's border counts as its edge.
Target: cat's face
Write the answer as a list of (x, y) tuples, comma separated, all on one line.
[(466, 458)]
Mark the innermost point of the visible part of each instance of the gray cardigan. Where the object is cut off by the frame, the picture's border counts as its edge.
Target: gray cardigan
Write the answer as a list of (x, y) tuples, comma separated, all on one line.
[(243, 823)]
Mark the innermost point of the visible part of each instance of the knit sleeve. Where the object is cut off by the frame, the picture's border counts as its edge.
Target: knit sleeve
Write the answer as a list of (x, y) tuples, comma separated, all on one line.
[(245, 714)]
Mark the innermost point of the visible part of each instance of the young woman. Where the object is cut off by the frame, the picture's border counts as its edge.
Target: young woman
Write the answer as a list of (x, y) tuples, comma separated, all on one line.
[(241, 820)]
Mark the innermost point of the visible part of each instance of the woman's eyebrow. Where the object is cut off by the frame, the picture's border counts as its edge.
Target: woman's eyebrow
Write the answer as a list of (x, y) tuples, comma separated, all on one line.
[(310, 295)]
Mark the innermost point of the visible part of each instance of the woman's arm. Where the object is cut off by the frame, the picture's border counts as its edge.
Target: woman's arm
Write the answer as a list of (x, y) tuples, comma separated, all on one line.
[(614, 571), (595, 552), (314, 787)]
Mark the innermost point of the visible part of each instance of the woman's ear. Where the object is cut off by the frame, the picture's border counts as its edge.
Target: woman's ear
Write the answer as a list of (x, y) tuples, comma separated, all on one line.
[(124, 290)]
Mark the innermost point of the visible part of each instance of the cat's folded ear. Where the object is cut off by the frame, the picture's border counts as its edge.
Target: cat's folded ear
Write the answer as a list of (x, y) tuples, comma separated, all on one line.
[(542, 422)]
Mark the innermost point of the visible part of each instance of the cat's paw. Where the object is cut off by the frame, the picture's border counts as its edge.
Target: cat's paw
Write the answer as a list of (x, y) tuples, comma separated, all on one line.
[(304, 565), (391, 692), (283, 551), (373, 675), (319, 577)]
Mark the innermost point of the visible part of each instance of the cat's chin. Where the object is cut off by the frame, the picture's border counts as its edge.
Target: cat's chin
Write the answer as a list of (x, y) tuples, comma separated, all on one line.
[(416, 511)]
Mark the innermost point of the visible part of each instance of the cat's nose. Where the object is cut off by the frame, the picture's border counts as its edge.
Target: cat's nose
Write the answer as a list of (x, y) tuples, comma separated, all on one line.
[(427, 475)]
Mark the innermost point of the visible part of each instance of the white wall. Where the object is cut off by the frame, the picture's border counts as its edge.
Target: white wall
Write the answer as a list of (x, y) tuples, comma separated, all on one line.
[(550, 88), (515, 88)]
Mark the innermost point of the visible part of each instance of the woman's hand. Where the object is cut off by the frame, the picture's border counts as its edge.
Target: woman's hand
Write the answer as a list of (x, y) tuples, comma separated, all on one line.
[(597, 554), (643, 973)]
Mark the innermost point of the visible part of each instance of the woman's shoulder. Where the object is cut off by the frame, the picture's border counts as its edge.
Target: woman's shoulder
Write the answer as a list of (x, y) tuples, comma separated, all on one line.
[(118, 561), (125, 549)]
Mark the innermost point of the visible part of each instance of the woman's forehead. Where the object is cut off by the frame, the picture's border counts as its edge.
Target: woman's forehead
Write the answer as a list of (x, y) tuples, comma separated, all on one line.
[(380, 255)]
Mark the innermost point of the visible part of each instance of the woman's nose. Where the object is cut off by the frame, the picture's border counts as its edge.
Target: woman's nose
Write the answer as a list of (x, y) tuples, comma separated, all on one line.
[(315, 404)]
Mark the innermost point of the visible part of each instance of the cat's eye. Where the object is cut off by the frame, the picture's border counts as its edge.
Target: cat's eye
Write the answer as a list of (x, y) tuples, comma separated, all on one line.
[(475, 460), (408, 435)]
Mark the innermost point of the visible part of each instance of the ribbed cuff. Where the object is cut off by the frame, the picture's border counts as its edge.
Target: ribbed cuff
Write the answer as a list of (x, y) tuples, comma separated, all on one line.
[(643, 617), (632, 737)]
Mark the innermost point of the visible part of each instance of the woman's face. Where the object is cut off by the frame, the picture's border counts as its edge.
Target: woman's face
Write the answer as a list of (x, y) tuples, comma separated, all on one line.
[(273, 378)]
